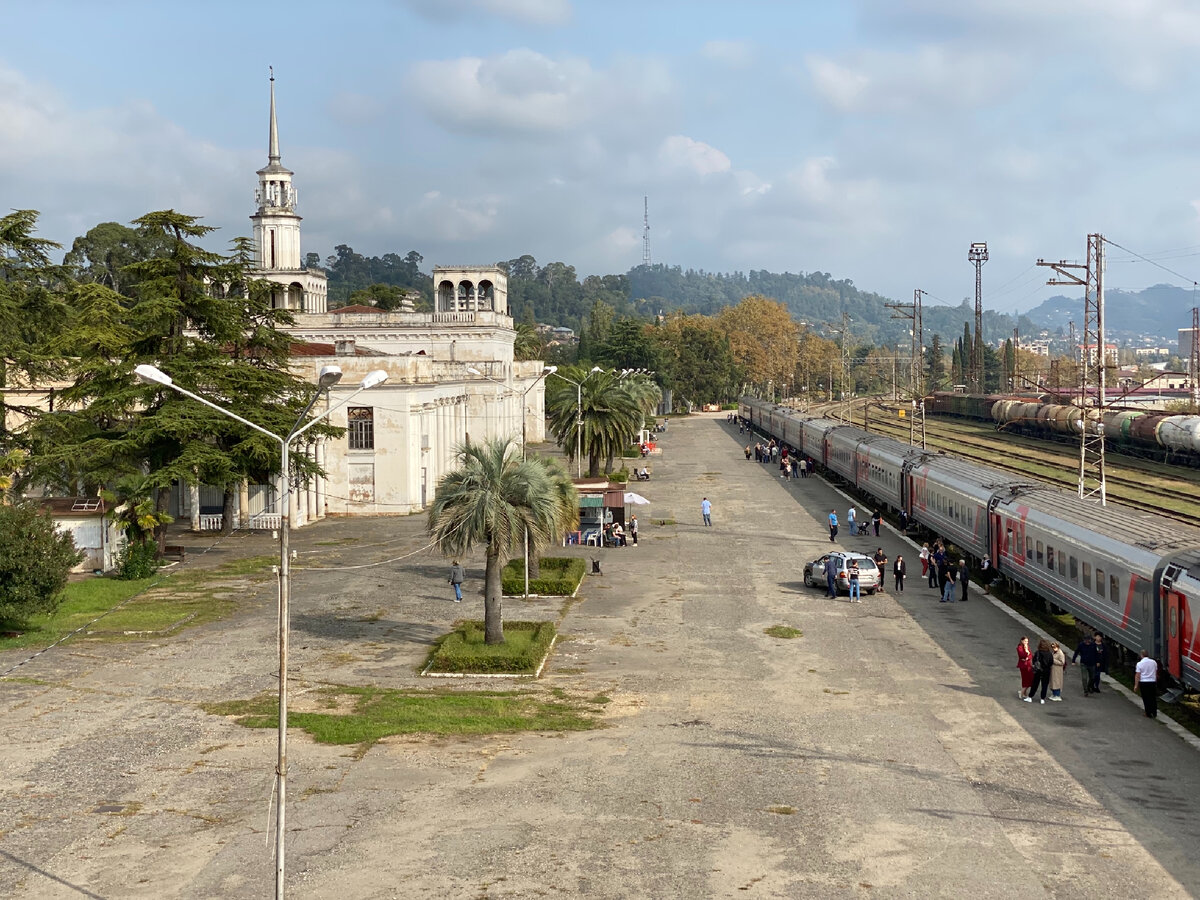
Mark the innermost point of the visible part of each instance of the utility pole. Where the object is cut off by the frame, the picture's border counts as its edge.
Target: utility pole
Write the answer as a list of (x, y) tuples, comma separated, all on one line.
[(845, 353), (977, 255), (1092, 484), (912, 312), (1194, 369)]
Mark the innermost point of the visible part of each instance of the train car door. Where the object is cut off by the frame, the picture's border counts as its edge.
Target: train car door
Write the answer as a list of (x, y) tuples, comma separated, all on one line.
[(1172, 630)]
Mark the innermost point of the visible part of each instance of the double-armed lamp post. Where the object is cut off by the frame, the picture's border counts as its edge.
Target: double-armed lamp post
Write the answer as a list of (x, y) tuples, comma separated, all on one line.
[(579, 416), (329, 376), (546, 370)]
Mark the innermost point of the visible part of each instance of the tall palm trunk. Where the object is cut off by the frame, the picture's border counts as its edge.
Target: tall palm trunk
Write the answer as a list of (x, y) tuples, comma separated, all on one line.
[(493, 613)]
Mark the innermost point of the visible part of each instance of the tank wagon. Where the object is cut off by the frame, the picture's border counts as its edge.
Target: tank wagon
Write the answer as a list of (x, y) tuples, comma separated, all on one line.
[(1133, 575)]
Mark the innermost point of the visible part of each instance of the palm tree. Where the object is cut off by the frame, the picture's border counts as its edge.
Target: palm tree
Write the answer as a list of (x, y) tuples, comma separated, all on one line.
[(491, 499), (610, 415)]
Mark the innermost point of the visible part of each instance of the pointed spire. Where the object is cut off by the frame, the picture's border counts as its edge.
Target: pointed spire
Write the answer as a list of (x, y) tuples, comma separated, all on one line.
[(273, 147)]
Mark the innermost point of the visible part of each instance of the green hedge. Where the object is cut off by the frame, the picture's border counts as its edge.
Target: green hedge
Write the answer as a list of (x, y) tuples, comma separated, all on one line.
[(559, 577), (463, 649)]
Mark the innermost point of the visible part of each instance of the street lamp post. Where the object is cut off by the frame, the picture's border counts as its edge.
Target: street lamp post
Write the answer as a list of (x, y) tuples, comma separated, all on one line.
[(329, 376), (546, 370)]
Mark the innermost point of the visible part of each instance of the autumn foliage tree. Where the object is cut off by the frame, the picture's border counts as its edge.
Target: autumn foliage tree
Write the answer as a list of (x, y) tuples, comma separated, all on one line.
[(763, 339)]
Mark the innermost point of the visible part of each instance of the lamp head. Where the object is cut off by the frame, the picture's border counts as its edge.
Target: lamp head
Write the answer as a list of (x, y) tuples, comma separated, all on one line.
[(473, 370), (151, 375), (597, 369), (549, 370), (330, 375), (377, 376)]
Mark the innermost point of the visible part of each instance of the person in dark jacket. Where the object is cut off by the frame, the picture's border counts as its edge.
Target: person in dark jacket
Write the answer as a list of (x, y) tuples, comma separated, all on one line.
[(964, 581), (898, 572), (881, 563), (457, 575), (1043, 662), (1092, 656)]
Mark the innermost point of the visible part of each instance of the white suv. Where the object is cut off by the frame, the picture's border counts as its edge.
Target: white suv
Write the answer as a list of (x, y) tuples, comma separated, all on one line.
[(868, 572)]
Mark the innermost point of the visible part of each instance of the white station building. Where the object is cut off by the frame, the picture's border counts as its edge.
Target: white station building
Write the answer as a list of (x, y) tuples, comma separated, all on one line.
[(450, 375)]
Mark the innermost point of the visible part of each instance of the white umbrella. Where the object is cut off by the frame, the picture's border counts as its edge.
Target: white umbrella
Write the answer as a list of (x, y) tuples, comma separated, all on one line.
[(638, 499)]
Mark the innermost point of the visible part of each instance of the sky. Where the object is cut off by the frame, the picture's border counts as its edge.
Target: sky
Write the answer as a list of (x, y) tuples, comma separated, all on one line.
[(871, 139)]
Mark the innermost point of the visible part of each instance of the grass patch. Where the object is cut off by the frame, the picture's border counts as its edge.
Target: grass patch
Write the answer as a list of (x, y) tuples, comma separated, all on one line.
[(560, 576), (463, 649), (783, 631), (782, 810), (155, 604), (372, 713), (665, 521)]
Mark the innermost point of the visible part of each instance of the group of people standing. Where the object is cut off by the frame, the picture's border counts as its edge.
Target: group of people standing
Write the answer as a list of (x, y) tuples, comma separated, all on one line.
[(1044, 668), (791, 464), (947, 576)]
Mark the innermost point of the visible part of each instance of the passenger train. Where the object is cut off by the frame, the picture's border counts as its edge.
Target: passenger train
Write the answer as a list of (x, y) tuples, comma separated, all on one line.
[(1131, 575)]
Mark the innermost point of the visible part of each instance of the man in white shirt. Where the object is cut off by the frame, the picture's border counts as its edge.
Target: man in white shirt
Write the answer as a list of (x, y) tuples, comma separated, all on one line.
[(1145, 681)]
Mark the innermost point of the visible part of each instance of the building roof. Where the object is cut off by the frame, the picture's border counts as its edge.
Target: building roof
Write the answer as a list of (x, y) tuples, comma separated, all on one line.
[(71, 507), (309, 348), (356, 308)]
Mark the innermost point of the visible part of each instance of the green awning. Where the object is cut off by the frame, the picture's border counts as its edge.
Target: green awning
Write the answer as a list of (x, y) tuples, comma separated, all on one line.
[(590, 501)]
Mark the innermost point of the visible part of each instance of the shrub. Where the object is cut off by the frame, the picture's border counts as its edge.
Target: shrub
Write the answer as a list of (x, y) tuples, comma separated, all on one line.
[(137, 560), (464, 650), (34, 564), (559, 577), (621, 475)]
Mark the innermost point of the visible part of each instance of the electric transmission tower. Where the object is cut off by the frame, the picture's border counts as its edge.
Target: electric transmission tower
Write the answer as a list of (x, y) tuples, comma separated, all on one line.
[(1194, 368), (645, 231), (1092, 363), (978, 255), (912, 312)]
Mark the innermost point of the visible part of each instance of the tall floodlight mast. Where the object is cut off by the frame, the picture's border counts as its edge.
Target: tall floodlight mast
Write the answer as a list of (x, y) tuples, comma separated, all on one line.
[(977, 255)]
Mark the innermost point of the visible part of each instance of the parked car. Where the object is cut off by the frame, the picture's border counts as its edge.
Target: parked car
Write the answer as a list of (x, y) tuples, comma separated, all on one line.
[(868, 572)]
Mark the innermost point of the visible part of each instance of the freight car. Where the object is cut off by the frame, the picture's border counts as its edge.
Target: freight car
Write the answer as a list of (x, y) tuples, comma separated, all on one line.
[(1133, 575)]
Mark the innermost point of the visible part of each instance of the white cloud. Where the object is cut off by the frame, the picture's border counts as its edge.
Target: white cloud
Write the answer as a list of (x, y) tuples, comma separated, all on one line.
[(530, 12), (735, 54), (682, 152)]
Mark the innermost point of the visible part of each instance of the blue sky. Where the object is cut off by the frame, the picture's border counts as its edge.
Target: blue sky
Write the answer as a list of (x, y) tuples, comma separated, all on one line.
[(871, 139)]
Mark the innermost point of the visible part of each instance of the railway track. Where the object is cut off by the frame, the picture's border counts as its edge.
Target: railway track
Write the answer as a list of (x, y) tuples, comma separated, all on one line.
[(1142, 485)]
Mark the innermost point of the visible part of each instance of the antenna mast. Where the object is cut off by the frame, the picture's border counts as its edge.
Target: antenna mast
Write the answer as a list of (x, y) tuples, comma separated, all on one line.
[(645, 231)]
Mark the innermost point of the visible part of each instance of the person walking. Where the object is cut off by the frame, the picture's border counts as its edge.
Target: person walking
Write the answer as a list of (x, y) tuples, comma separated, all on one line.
[(876, 521), (937, 565), (851, 515), (964, 580), (706, 511), (852, 577), (1057, 673), (633, 525), (1145, 682), (1101, 661), (833, 525), (1025, 667), (881, 563), (457, 575), (986, 574), (831, 578), (924, 557), (898, 573), (1043, 662)]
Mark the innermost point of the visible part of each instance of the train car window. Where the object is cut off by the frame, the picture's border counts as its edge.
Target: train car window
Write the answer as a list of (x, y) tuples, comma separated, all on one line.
[(1074, 569), (1062, 564), (1049, 557), (1087, 575), (1143, 590), (1040, 554), (1029, 548), (1174, 625), (1114, 588), (1100, 582)]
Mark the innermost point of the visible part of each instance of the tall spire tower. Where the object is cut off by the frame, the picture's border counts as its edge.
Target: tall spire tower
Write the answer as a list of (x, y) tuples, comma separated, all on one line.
[(277, 232)]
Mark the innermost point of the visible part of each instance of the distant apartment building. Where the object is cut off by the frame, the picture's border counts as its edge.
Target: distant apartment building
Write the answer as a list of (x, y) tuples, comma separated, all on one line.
[(1088, 352)]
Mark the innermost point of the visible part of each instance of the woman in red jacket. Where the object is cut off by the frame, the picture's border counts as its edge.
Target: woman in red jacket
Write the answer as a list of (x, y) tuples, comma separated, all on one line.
[(1025, 666)]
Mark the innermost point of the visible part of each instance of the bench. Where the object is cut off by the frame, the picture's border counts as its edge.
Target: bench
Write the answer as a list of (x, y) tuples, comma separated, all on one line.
[(177, 550)]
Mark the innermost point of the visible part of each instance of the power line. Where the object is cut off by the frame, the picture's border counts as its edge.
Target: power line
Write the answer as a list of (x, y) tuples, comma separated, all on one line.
[(1191, 281)]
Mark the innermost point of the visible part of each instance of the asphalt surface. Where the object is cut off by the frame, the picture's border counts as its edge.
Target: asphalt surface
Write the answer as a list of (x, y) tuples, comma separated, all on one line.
[(882, 754)]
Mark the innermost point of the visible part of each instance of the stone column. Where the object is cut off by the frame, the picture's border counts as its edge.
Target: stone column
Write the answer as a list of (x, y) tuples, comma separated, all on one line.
[(194, 502), (244, 504)]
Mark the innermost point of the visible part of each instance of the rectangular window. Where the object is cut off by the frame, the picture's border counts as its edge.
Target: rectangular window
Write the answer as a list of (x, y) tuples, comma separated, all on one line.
[(1029, 548), (1114, 584), (1040, 554), (1087, 576), (1100, 582), (361, 432), (1074, 569), (1062, 564), (1049, 557)]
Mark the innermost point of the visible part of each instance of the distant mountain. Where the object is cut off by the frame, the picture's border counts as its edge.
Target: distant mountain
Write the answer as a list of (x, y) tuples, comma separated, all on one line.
[(1157, 312)]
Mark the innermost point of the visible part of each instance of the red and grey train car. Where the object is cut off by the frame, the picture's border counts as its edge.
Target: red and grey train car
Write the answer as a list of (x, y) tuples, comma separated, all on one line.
[(1135, 576)]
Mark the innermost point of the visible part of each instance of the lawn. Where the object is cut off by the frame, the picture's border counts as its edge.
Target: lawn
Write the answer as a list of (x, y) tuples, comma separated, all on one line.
[(363, 715), (154, 605), (463, 650)]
